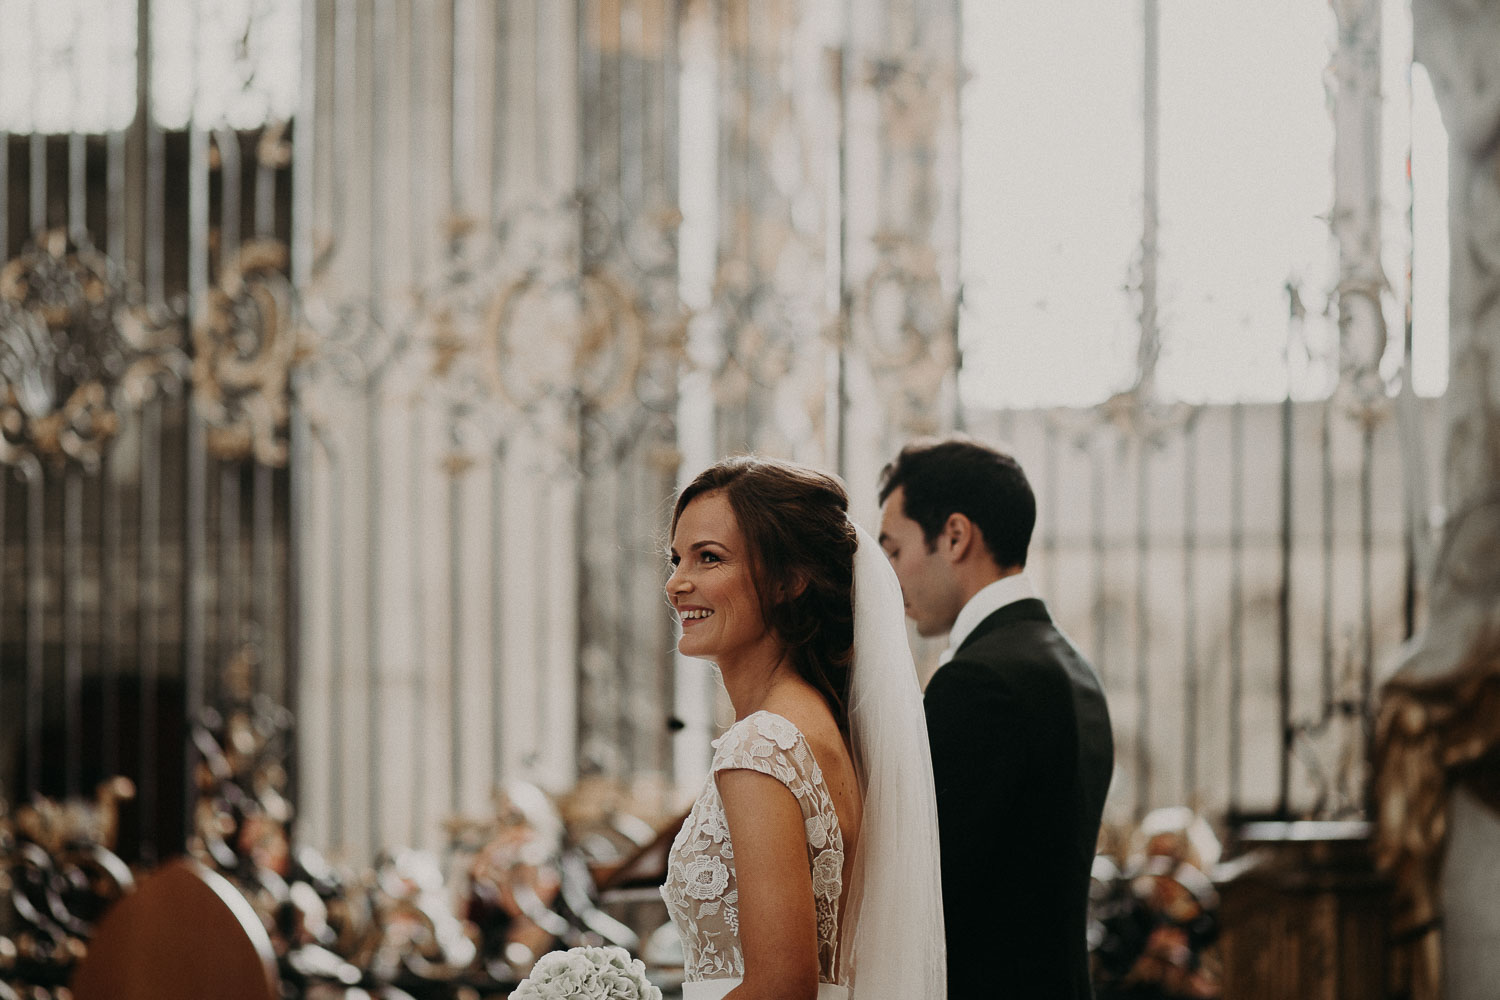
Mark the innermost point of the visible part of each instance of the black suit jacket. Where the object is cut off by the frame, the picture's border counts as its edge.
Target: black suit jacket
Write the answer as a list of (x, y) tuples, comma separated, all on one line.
[(1022, 753)]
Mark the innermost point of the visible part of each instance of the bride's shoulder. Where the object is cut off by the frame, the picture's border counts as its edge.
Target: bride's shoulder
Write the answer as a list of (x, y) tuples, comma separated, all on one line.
[(764, 724)]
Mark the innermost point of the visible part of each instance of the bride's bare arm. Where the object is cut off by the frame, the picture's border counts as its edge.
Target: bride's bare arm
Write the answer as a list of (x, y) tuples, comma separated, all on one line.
[(778, 927)]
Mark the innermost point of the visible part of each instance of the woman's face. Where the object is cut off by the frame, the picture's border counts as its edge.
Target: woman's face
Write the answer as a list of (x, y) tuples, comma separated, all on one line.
[(712, 587)]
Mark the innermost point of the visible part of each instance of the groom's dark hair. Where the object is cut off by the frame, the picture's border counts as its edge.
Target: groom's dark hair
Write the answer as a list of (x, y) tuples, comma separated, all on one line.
[(958, 475)]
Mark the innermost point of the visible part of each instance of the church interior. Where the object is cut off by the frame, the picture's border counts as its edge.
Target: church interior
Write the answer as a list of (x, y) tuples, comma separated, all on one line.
[(352, 352)]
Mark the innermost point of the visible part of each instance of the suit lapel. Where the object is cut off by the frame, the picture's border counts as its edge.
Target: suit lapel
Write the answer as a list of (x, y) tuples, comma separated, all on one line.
[(1027, 609)]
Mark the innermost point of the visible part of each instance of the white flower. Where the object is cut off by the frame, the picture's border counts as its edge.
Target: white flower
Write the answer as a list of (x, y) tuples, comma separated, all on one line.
[(776, 728), (828, 874), (713, 826), (587, 974), (817, 831), (706, 877)]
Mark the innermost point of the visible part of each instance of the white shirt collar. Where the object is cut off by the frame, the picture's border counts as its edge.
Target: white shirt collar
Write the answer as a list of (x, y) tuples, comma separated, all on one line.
[(989, 599)]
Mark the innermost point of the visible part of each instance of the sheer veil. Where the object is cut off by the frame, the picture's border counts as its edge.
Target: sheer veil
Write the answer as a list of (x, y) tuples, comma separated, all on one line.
[(892, 939)]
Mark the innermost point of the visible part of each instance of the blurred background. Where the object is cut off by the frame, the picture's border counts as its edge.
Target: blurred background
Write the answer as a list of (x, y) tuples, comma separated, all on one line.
[(353, 350)]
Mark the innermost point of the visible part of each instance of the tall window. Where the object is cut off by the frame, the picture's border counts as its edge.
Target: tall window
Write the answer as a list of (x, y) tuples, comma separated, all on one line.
[(1053, 199), (70, 65)]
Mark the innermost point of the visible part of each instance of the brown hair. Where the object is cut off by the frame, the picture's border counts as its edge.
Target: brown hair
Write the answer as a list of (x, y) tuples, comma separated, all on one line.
[(795, 521)]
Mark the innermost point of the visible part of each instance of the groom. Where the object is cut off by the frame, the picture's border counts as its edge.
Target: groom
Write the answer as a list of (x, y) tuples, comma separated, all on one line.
[(1021, 744)]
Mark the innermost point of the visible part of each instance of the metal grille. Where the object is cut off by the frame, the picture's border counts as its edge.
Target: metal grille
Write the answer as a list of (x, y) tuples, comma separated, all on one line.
[(1238, 575), (145, 335)]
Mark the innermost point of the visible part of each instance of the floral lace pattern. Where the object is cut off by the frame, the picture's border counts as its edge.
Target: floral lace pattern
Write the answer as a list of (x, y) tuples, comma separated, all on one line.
[(701, 893)]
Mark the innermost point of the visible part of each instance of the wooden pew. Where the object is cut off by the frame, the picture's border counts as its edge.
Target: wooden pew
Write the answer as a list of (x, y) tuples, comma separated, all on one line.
[(184, 934)]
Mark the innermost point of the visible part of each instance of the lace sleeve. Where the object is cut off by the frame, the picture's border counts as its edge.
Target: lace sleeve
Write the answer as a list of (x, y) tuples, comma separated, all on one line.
[(773, 746)]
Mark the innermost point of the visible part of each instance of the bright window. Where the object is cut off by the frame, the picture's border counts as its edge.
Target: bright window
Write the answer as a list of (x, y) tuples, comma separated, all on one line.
[(1053, 145), (70, 65)]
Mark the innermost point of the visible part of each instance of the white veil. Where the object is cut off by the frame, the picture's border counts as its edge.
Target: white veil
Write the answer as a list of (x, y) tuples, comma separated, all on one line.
[(891, 942)]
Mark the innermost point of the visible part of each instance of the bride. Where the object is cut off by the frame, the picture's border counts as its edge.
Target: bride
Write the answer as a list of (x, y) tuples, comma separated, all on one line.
[(808, 866)]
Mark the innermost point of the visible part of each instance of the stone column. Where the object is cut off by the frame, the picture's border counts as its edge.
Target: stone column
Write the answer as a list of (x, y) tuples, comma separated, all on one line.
[(1439, 725)]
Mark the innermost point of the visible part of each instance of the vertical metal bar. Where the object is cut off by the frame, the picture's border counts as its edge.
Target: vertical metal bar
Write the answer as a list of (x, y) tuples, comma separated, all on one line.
[(1190, 613), (110, 624), (381, 46), (1143, 629), (304, 182), (1052, 495), (38, 144), (1236, 601), (229, 633), (455, 629), (1148, 347), (546, 485), (345, 86), (619, 628), (264, 614), (265, 190), (4, 193), (4, 547), (626, 95), (497, 612), (584, 695), (500, 109), (36, 597), (227, 141), (38, 183), (416, 171), (114, 202), (73, 735), (1409, 502), (154, 252), (1146, 353), (337, 667), (1326, 439), (77, 187), (543, 120), (1097, 502), (842, 290), (77, 158), (671, 105), (374, 649), (148, 630), (291, 633), (1366, 566), (195, 508), (457, 124), (1284, 619), (417, 576)]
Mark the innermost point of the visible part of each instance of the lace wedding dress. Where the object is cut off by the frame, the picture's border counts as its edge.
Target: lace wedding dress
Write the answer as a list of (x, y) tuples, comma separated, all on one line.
[(701, 891), (887, 944)]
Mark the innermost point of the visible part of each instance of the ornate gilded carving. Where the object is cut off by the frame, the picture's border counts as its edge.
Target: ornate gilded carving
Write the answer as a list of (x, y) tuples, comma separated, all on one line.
[(903, 325), (62, 353), (522, 316), (1433, 735), (244, 344)]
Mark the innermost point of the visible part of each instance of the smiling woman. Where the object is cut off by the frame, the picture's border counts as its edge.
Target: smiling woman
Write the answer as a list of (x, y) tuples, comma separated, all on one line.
[(809, 860)]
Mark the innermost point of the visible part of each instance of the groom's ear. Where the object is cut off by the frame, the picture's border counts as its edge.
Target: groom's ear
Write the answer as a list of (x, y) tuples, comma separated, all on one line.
[(958, 538)]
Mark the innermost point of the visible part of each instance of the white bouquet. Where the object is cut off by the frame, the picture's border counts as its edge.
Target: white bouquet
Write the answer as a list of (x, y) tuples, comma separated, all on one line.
[(587, 974)]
